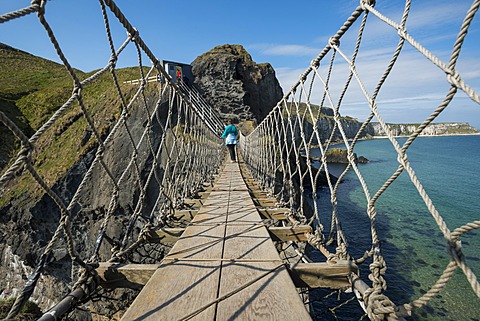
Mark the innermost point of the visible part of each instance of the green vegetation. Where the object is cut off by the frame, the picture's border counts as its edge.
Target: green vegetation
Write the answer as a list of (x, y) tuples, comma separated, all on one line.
[(30, 310), (31, 90), (246, 127), (21, 75), (325, 112)]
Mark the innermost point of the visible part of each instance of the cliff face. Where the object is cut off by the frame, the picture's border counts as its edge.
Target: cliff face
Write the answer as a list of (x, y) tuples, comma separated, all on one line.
[(326, 124), (28, 222), (233, 83), (430, 130), (351, 127)]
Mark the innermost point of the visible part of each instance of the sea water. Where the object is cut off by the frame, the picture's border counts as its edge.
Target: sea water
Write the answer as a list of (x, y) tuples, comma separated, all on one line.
[(415, 251)]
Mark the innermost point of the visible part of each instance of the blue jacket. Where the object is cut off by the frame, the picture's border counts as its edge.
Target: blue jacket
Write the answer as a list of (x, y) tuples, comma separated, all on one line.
[(230, 134)]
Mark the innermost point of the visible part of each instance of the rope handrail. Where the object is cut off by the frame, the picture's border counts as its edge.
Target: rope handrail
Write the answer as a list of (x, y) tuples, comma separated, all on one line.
[(278, 153), (169, 149), (157, 143)]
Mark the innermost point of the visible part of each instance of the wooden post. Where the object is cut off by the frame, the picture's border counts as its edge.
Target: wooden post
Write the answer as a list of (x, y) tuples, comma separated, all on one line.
[(132, 276), (273, 213), (290, 233), (323, 274)]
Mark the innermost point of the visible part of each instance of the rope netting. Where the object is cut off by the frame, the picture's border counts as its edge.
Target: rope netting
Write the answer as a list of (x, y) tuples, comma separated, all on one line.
[(149, 148), (281, 150), (165, 140)]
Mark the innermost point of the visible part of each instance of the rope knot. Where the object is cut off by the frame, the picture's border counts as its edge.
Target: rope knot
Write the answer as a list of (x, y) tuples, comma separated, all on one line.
[(36, 4), (379, 307), (314, 239), (455, 250), (454, 78), (77, 92), (113, 61), (145, 231), (402, 32), (88, 279), (133, 36), (334, 42), (315, 63), (100, 151), (402, 159), (41, 6), (25, 153), (365, 3), (332, 258)]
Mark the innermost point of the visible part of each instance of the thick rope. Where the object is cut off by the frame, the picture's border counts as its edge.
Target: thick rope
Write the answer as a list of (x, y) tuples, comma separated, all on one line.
[(188, 152), (194, 154), (283, 140)]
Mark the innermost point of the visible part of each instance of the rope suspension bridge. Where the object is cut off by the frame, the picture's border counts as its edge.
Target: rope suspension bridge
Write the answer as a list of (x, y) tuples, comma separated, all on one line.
[(195, 237)]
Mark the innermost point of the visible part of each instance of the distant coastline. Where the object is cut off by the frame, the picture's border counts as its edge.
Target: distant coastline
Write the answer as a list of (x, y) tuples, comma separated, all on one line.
[(434, 135), (338, 143)]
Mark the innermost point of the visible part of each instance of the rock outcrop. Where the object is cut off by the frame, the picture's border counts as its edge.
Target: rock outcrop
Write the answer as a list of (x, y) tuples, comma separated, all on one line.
[(234, 84), (338, 155)]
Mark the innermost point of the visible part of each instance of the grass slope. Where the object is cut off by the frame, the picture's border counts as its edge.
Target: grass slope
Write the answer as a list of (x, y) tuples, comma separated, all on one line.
[(22, 77), (31, 90)]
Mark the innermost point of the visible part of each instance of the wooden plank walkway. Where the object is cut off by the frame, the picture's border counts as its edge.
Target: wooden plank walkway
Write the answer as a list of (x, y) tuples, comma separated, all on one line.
[(223, 267)]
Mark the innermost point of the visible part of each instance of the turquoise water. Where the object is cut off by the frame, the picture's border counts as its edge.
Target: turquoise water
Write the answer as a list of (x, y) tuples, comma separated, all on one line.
[(448, 167)]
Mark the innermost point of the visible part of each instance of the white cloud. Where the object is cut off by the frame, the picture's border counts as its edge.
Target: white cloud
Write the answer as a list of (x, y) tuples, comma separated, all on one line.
[(288, 77), (415, 87), (413, 90)]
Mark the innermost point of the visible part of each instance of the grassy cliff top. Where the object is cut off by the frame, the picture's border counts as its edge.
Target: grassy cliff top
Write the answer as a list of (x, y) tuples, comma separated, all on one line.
[(22, 73), (32, 89)]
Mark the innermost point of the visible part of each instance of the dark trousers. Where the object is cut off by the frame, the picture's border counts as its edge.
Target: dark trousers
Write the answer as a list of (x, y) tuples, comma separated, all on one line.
[(231, 149)]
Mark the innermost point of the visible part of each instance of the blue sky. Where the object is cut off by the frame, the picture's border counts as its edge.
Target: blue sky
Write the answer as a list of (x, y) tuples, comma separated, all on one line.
[(287, 34)]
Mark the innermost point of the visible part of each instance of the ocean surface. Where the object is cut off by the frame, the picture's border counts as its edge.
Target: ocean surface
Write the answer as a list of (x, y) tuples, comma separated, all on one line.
[(415, 250)]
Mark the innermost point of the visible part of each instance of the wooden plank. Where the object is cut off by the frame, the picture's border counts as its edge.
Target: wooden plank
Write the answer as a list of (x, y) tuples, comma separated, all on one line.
[(265, 202), (171, 235), (258, 193), (273, 213), (214, 258), (290, 233), (178, 288), (323, 274), (250, 180), (133, 276), (264, 288)]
